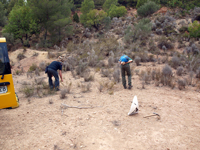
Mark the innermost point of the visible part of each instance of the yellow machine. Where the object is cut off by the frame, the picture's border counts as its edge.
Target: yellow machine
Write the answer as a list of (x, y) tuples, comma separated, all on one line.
[(8, 98)]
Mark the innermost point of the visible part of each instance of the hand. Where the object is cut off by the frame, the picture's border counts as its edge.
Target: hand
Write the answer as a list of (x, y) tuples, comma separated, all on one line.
[(122, 63), (61, 80)]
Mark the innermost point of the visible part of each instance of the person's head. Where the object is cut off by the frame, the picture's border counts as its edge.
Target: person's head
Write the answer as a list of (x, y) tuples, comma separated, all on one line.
[(61, 59)]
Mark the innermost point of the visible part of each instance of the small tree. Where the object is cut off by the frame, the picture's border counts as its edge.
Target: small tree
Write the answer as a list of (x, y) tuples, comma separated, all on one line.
[(2, 15), (76, 18), (147, 9), (86, 7), (95, 17), (108, 4), (115, 11), (194, 29), (21, 24)]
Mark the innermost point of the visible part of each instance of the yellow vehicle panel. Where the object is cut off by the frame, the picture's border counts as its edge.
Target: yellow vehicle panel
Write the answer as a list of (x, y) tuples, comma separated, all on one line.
[(8, 99)]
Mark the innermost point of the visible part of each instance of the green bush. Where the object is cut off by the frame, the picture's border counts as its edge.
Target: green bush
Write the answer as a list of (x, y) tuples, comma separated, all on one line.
[(76, 18), (194, 29), (142, 2), (32, 68), (147, 9), (95, 17), (143, 28), (116, 11)]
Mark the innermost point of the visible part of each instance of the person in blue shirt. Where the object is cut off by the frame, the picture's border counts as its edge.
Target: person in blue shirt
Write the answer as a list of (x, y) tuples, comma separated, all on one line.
[(52, 71), (125, 68)]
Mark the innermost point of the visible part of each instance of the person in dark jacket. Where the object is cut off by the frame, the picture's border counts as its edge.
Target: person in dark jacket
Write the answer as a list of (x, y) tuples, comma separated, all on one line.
[(52, 71), (125, 68)]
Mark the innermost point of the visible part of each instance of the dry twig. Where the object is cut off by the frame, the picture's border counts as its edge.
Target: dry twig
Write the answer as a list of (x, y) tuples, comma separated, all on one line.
[(78, 107)]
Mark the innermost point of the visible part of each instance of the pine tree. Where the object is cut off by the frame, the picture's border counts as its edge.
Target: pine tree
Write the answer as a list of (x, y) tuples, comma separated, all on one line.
[(108, 3), (21, 24), (86, 7), (2, 15)]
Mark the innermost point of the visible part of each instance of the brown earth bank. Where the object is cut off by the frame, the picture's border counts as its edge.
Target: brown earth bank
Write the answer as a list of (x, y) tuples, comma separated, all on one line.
[(104, 124)]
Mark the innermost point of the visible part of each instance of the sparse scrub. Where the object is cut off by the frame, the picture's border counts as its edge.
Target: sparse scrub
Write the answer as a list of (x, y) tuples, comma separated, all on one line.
[(18, 72), (166, 77), (146, 78), (92, 59), (20, 56), (71, 47), (37, 72), (175, 62), (147, 9), (167, 71), (194, 29), (42, 66), (105, 72), (110, 85), (179, 70), (86, 87), (35, 54), (82, 66), (116, 75), (198, 73), (63, 93), (28, 90), (32, 68), (88, 77), (100, 87), (164, 42), (137, 60), (181, 84), (51, 55)]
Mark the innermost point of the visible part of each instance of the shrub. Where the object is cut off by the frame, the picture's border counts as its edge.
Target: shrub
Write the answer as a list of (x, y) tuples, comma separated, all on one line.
[(116, 75), (142, 29), (76, 17), (181, 84), (20, 56), (167, 71), (86, 87), (179, 70), (198, 73), (81, 68), (164, 42), (116, 11), (166, 78), (63, 93), (175, 62), (42, 66), (32, 68), (95, 17), (137, 60), (51, 55), (147, 9), (128, 37), (88, 77), (194, 29), (28, 90), (105, 72), (100, 87), (37, 72)]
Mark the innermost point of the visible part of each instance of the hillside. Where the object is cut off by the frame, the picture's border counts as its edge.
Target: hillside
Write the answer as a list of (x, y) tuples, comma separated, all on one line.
[(165, 77)]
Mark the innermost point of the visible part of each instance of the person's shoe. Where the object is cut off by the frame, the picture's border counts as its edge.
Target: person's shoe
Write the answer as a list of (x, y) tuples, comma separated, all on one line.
[(57, 89), (130, 87), (124, 87)]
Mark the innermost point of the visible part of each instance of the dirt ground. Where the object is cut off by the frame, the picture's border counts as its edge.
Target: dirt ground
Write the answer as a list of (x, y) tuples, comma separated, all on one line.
[(38, 125)]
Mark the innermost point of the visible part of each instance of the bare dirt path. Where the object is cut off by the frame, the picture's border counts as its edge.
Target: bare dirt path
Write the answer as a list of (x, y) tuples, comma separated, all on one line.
[(40, 125)]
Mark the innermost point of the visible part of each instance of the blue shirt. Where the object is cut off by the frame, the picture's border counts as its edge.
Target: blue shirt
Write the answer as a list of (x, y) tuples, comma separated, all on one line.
[(124, 58), (55, 65)]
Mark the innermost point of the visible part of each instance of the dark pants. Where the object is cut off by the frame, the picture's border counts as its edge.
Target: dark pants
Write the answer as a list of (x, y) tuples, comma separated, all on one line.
[(54, 73), (126, 69)]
